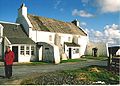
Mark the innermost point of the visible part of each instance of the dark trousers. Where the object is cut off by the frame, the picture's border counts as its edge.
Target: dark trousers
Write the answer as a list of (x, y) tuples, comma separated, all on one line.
[(8, 71)]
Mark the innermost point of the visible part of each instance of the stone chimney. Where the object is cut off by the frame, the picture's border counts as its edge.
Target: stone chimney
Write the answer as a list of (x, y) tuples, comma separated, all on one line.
[(22, 11), (76, 22)]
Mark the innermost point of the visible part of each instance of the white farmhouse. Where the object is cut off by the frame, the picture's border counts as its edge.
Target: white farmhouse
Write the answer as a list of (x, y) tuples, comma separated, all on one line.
[(52, 39), (55, 39)]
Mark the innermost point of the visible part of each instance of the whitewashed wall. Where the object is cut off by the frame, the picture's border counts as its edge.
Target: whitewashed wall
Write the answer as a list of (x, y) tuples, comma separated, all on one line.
[(25, 58), (41, 36), (74, 55), (1, 33), (82, 41), (65, 38)]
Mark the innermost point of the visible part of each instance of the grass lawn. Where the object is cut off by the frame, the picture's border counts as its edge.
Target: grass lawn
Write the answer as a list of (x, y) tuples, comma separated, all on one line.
[(96, 58), (72, 60), (93, 75)]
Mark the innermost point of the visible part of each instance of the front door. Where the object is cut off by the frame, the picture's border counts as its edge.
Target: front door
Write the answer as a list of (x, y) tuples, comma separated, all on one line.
[(70, 53), (94, 51), (15, 50)]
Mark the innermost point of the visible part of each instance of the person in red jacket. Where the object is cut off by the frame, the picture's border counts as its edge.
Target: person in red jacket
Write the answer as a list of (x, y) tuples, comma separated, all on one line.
[(8, 59)]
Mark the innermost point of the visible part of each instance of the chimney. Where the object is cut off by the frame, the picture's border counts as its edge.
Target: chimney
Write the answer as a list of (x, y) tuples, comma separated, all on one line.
[(22, 11), (76, 22)]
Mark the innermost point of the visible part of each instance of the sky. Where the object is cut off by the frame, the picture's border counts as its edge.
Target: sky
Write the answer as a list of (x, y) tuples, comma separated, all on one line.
[(100, 18)]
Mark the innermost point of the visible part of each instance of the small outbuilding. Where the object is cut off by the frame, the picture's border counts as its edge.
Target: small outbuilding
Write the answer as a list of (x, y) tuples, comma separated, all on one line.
[(97, 49)]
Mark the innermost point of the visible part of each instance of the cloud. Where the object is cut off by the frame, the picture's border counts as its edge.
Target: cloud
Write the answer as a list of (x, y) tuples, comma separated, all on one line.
[(81, 13), (110, 34), (83, 24), (57, 4), (109, 5), (105, 6), (112, 31), (98, 33)]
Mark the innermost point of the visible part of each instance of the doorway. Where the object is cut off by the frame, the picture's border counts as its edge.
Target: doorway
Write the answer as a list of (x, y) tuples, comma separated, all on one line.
[(40, 53), (15, 50), (70, 53), (95, 52)]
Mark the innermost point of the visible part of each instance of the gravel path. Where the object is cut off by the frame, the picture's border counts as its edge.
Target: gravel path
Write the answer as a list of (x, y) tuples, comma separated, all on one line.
[(20, 72)]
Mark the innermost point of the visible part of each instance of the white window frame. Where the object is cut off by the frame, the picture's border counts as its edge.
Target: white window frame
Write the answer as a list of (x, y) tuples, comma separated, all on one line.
[(32, 50), (69, 39), (27, 50), (22, 50)]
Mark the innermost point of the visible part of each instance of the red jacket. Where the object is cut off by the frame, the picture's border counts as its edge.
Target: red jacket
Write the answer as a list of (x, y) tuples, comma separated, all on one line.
[(9, 57)]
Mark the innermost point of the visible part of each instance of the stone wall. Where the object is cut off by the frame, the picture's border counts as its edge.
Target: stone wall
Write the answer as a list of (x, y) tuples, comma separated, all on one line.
[(102, 49), (50, 53)]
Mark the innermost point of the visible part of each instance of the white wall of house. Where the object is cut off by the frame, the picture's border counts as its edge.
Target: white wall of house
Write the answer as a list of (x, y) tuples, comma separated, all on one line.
[(82, 41), (65, 38), (42, 36), (25, 57), (1, 38), (74, 54), (1, 33)]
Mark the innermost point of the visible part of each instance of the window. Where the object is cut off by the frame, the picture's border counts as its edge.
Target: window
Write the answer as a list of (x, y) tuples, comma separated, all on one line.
[(50, 38), (46, 48), (60, 38), (32, 50), (27, 50), (74, 51), (69, 38), (22, 48), (77, 50)]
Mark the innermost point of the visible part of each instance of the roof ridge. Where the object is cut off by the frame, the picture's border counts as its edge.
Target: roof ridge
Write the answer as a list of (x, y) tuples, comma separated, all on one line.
[(48, 18)]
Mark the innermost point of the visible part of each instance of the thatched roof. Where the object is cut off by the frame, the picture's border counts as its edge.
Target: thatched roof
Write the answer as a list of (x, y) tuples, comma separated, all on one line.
[(52, 25)]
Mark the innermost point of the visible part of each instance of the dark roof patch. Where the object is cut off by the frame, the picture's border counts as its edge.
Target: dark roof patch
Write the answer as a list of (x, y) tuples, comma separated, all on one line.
[(16, 34), (21, 41), (72, 44)]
